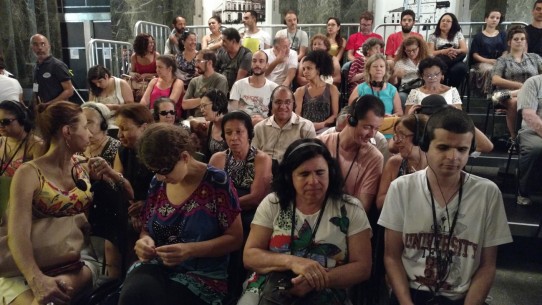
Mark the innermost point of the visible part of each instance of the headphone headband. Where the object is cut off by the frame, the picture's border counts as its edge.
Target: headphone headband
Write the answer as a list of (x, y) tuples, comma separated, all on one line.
[(306, 144)]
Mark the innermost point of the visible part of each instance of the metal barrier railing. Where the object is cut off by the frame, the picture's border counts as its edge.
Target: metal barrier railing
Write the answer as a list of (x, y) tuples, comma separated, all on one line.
[(114, 55), (160, 33)]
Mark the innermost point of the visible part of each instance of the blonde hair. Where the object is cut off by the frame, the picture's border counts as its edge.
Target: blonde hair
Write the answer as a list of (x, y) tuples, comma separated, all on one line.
[(369, 62)]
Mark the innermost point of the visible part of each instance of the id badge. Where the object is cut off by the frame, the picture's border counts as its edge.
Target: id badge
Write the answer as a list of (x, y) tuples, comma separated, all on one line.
[(35, 87)]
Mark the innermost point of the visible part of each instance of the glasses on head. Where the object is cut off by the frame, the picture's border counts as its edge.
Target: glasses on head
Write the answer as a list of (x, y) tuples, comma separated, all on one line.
[(164, 113), (6, 122), (285, 103), (410, 51), (399, 137), (432, 76)]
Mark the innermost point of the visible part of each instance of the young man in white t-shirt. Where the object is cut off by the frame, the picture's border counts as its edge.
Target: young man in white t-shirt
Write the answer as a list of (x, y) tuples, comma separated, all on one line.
[(252, 94), (252, 32), (442, 205)]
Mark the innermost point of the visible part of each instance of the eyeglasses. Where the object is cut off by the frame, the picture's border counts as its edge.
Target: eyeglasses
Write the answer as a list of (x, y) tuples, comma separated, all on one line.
[(164, 113), (431, 76), (163, 171), (285, 103), (200, 61), (6, 122), (398, 137), (411, 50)]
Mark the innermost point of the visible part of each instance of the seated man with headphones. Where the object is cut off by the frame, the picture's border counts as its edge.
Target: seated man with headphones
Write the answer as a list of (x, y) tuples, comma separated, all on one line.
[(360, 161), (443, 225)]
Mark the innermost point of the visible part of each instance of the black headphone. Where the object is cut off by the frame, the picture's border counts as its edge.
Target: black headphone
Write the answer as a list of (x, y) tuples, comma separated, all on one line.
[(425, 140), (272, 98), (416, 138), (79, 183), (352, 120), (22, 113), (377, 84), (103, 125)]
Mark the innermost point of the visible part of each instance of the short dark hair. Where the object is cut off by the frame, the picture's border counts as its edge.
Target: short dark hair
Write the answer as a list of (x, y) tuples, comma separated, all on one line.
[(95, 73), (208, 55), (175, 19), (21, 113), (141, 42), (231, 34), (536, 2), (365, 103), (242, 116), (156, 106), (253, 13), (219, 100), (138, 113), (431, 62), (408, 13), (322, 60), (154, 154), (453, 30), (367, 15), (184, 36), (298, 152), (272, 99), (450, 119)]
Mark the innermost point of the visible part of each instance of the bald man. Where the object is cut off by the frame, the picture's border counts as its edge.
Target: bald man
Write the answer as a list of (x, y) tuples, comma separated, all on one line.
[(52, 80)]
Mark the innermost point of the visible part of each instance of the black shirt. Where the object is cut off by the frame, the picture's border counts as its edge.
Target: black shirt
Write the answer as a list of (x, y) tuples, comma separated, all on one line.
[(534, 39), (49, 75)]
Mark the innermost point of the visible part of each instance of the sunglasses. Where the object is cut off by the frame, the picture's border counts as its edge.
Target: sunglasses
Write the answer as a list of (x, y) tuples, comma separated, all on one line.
[(164, 113), (6, 122)]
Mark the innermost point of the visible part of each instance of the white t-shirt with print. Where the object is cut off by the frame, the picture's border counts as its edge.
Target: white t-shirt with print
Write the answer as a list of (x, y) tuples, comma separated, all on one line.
[(254, 101)]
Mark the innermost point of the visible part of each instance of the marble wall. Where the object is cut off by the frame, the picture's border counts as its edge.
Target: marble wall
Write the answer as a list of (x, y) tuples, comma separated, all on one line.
[(347, 10), (125, 13), (19, 21)]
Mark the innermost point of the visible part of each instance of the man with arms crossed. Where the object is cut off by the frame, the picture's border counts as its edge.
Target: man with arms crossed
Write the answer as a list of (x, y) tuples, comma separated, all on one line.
[(443, 225)]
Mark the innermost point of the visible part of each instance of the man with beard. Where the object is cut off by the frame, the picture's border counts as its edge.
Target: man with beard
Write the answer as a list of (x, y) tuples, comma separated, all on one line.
[(172, 43), (52, 79), (254, 38), (408, 18), (356, 40), (251, 94), (207, 79), (361, 163)]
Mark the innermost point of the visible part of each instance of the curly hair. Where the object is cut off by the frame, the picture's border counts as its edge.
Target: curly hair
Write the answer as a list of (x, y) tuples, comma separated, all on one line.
[(423, 51), (298, 152), (141, 43), (161, 145), (370, 61), (370, 43), (219, 100), (323, 38), (432, 62), (95, 73), (453, 30), (322, 60)]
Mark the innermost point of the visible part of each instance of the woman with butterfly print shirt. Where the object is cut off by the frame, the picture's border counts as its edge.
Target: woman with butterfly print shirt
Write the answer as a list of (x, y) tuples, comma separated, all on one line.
[(325, 243)]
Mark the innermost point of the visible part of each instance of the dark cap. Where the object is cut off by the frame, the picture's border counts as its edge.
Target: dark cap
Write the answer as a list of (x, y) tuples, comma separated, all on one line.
[(432, 103)]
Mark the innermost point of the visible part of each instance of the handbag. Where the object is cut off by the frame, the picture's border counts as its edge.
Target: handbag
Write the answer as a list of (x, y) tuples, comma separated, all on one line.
[(56, 241), (388, 125), (138, 88), (450, 61), (413, 84), (278, 283)]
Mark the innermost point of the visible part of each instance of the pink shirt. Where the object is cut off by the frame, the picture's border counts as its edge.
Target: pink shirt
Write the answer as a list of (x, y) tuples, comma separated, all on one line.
[(355, 41), (366, 170), (394, 42)]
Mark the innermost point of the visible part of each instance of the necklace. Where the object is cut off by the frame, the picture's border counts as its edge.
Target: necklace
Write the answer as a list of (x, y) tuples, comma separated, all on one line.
[(94, 152)]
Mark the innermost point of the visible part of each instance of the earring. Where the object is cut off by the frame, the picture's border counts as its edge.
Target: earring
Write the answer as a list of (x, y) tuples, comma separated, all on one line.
[(67, 144)]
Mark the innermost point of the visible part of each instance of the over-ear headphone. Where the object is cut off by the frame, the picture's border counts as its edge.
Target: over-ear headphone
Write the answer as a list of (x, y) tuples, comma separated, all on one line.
[(377, 84), (425, 140), (416, 137), (103, 124), (79, 183), (352, 120), (22, 114), (272, 98)]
